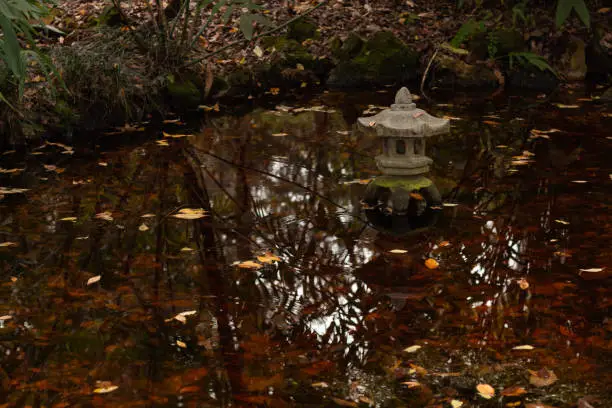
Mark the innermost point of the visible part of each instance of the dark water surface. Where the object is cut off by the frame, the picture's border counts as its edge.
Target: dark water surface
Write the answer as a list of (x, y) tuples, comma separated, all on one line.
[(524, 260)]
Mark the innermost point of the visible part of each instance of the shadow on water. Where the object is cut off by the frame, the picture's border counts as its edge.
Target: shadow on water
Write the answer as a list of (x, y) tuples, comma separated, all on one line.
[(287, 293)]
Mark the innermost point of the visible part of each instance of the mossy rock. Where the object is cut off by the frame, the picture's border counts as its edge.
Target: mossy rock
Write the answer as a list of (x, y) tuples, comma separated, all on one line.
[(382, 60), (347, 49), (290, 52), (183, 92), (453, 72), (302, 29)]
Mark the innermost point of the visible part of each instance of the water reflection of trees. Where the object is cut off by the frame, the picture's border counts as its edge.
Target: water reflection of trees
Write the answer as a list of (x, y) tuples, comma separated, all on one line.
[(307, 318)]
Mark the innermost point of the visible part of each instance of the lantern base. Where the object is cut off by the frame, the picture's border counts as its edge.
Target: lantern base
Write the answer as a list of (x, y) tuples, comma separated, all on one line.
[(403, 166)]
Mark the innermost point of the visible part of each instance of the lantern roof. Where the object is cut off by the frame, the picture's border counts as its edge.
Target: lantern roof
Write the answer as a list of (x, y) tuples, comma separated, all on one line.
[(404, 119)]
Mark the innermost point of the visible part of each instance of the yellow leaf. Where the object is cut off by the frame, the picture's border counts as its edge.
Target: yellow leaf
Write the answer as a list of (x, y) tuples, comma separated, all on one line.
[(398, 251), (411, 384), (8, 244), (431, 263), (93, 280), (443, 244), (143, 227), (456, 404), (71, 219), (523, 283), (279, 134), (249, 265), (485, 391), (190, 214), (105, 389), (563, 222), (412, 349), (523, 347), (181, 344), (5, 317), (103, 164), (148, 215), (562, 106), (258, 51), (320, 385), (162, 143), (268, 258), (187, 249), (175, 136), (592, 270)]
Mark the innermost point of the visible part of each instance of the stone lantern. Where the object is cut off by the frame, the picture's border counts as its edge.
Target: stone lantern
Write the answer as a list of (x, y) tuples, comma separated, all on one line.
[(403, 130), (403, 200)]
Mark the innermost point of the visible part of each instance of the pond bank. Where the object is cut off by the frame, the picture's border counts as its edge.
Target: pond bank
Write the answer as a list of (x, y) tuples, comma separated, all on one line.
[(109, 80)]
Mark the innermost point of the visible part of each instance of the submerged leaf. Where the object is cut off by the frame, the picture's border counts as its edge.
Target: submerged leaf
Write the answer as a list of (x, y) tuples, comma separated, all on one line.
[(190, 214), (485, 391), (93, 280), (542, 378)]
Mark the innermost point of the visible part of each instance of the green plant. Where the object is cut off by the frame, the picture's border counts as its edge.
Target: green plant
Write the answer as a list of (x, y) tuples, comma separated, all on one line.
[(565, 7), (529, 58), (466, 31), (16, 21)]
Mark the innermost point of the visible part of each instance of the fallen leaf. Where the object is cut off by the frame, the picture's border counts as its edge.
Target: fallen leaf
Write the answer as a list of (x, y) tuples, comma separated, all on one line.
[(5, 317), (431, 263), (8, 244), (418, 369), (538, 405), (103, 164), (513, 391), (412, 349), (175, 136), (93, 280), (268, 258), (4, 190), (143, 227), (592, 270), (190, 214), (104, 387), (523, 347), (249, 265), (281, 134), (106, 215), (542, 378), (443, 244), (562, 222), (71, 219), (187, 249), (344, 403), (175, 121), (490, 122), (604, 10), (450, 204), (523, 283), (579, 181), (411, 384), (320, 385), (162, 142), (456, 404), (562, 106), (181, 344), (398, 251), (417, 196), (485, 391), (258, 51), (148, 215)]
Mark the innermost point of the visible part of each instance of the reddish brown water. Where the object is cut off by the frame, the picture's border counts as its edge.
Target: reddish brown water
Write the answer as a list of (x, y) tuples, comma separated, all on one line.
[(524, 259)]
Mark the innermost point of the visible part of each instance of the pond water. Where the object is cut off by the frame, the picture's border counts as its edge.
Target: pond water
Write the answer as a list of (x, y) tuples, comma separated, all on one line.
[(283, 294)]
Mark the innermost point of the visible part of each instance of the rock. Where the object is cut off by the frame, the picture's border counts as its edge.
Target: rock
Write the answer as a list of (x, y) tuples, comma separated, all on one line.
[(573, 65), (454, 72), (382, 60), (495, 44), (183, 92), (347, 49), (302, 29)]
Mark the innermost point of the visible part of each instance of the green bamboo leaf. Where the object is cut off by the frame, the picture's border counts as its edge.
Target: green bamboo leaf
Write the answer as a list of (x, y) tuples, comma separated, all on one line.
[(11, 48), (564, 8), (583, 12)]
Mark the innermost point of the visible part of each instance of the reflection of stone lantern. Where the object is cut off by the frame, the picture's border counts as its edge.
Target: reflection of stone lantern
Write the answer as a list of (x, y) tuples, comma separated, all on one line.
[(403, 129), (403, 198)]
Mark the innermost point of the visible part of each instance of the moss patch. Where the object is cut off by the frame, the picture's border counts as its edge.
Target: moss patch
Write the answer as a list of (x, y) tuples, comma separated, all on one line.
[(406, 183)]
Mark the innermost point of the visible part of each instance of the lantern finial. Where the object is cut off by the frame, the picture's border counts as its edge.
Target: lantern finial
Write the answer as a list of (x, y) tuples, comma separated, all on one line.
[(403, 96)]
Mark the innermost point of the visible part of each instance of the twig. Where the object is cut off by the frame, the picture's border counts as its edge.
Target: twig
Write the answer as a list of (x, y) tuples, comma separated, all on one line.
[(271, 31), (427, 71)]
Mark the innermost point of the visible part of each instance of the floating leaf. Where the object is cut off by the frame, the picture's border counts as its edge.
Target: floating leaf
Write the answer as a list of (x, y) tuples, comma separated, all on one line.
[(4, 190), (104, 387), (398, 251), (562, 222), (70, 219), (412, 349), (181, 344), (417, 196), (431, 263), (93, 280), (456, 404), (542, 378), (103, 164), (562, 106), (513, 391), (148, 215), (450, 204), (5, 317), (523, 347), (106, 215), (143, 227), (258, 51), (443, 244), (190, 214), (320, 385), (249, 265), (523, 283), (485, 391), (280, 134), (592, 270), (162, 143), (411, 384), (175, 136), (187, 249), (268, 257), (579, 181), (8, 244)]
